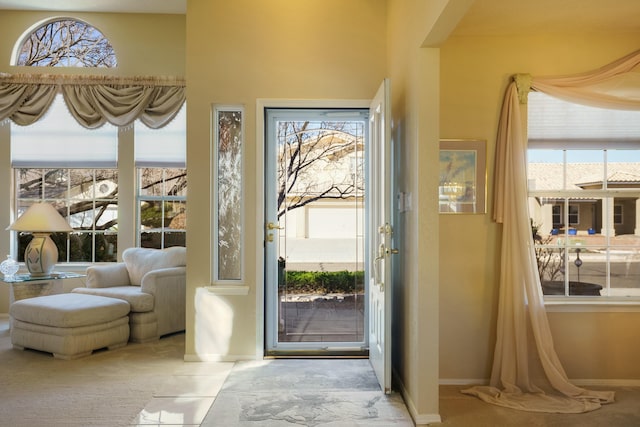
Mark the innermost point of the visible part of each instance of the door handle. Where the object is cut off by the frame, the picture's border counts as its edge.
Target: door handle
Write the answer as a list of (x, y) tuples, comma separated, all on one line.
[(376, 273), (272, 226), (383, 252)]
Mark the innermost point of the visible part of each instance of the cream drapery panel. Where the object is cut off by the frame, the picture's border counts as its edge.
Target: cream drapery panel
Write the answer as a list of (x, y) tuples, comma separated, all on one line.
[(521, 308), (93, 100)]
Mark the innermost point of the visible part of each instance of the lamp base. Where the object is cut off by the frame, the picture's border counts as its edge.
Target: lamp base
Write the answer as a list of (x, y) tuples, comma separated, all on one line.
[(41, 255)]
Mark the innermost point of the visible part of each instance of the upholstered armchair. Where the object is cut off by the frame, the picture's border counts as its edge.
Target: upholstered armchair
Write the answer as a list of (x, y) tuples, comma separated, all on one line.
[(153, 282)]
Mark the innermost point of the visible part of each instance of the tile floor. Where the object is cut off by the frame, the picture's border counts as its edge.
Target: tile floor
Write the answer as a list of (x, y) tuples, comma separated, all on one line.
[(281, 388), (186, 396), (305, 393)]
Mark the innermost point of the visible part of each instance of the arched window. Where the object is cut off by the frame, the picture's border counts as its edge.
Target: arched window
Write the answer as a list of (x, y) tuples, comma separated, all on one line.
[(65, 42)]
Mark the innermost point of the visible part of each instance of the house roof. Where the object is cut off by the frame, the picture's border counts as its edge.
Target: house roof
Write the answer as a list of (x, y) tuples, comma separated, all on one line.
[(549, 176), (625, 177)]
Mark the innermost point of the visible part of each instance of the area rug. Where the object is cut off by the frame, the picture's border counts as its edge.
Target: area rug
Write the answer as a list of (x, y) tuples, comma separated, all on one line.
[(310, 393), (108, 388)]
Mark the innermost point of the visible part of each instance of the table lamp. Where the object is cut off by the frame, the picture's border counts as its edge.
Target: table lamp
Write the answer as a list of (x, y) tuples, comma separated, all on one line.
[(41, 219)]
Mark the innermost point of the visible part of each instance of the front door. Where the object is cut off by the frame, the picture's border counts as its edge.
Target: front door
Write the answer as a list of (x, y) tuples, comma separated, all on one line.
[(314, 232), (380, 231), (329, 233)]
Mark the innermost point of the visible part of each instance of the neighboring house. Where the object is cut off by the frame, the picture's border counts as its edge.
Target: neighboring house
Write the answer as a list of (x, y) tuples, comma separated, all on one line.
[(325, 228), (334, 171), (586, 214)]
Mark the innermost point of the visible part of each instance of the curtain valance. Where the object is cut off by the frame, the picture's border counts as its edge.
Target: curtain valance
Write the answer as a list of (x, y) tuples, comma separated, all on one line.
[(93, 100), (615, 86)]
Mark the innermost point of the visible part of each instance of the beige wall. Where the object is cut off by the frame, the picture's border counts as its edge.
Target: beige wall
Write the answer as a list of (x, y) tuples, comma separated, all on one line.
[(308, 51), (144, 44), (239, 52), (474, 74), (414, 74)]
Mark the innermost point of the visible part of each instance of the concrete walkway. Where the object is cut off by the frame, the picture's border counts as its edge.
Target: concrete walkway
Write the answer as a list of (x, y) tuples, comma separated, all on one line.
[(322, 318)]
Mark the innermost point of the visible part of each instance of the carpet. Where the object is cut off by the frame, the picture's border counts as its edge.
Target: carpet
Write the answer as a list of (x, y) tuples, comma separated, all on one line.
[(302, 392), (108, 388)]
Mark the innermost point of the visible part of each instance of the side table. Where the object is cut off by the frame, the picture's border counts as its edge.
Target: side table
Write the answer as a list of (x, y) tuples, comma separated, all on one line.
[(26, 286)]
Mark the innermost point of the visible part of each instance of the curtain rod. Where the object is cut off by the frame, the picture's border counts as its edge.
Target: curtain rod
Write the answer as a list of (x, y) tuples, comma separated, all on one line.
[(60, 79)]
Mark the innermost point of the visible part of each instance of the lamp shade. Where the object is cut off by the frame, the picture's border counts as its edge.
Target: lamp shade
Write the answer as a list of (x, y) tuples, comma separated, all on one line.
[(41, 217)]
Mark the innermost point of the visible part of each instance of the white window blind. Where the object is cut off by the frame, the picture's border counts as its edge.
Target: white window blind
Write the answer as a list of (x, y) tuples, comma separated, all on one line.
[(552, 120), (164, 147), (58, 141)]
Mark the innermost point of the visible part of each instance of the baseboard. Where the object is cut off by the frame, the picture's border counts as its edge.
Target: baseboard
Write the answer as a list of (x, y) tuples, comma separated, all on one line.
[(218, 357), (583, 382), (4, 315), (418, 419), (607, 382)]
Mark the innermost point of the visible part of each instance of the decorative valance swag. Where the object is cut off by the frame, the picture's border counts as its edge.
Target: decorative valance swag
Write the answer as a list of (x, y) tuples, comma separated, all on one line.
[(93, 100)]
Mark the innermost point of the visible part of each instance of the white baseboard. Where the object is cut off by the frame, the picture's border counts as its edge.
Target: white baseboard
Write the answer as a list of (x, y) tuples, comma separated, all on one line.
[(609, 382), (418, 419)]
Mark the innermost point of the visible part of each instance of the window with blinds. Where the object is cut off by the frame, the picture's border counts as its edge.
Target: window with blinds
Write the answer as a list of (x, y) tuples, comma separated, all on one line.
[(584, 197), (160, 158)]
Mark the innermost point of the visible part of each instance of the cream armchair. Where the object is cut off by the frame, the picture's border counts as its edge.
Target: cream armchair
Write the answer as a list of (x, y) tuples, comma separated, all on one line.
[(153, 282)]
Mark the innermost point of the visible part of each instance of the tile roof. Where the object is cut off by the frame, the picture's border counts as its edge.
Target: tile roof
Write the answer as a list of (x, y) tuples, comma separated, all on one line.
[(548, 176)]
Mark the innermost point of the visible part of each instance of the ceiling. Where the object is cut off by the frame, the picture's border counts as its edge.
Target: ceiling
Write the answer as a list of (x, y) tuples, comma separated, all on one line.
[(126, 6), (521, 17)]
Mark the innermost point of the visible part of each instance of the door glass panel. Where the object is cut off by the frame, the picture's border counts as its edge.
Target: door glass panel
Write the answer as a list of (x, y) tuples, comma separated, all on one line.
[(320, 230)]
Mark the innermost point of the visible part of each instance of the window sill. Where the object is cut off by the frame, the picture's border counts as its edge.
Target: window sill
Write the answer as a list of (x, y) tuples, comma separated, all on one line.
[(228, 289), (591, 304)]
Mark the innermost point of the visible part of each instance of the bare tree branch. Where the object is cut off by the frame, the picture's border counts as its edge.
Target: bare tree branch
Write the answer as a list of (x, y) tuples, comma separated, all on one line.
[(66, 42), (314, 163)]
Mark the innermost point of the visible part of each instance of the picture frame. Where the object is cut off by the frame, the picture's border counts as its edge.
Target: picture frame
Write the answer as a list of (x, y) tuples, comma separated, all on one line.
[(462, 176)]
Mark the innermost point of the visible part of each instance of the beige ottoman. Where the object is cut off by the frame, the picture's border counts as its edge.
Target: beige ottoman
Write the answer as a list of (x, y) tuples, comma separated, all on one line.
[(69, 325)]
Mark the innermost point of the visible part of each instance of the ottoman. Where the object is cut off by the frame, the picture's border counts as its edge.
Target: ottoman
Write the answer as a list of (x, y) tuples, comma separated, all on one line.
[(69, 325)]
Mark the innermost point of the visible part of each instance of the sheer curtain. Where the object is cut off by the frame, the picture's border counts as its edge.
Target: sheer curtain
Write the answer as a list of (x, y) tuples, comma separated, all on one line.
[(521, 308), (93, 100)]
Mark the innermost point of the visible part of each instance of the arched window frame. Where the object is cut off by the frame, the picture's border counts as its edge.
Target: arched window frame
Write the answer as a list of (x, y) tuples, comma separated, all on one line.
[(15, 56)]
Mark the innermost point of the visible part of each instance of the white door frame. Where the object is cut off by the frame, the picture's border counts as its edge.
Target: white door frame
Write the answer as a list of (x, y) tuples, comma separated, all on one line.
[(261, 105)]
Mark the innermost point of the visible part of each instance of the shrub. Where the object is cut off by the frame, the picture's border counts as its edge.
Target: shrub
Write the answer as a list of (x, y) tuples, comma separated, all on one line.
[(324, 282)]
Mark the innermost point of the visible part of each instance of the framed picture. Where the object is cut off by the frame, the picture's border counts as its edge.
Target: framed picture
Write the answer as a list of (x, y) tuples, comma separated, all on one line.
[(463, 178)]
